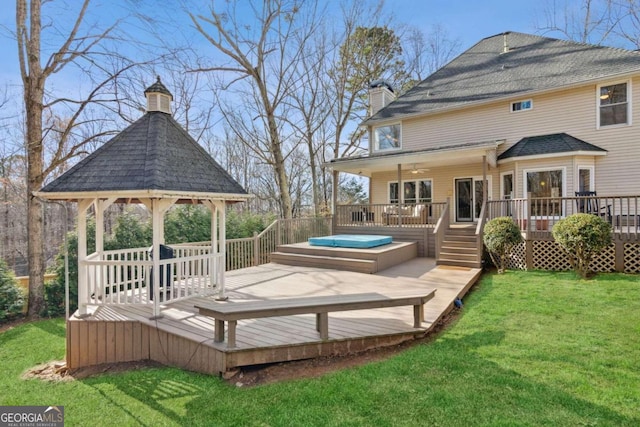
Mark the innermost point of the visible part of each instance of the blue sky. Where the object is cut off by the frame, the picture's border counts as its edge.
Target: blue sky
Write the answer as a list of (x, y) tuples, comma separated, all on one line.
[(470, 20), (467, 20)]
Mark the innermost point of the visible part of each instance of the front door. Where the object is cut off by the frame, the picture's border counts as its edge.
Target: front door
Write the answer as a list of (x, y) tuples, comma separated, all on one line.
[(464, 199), (469, 195)]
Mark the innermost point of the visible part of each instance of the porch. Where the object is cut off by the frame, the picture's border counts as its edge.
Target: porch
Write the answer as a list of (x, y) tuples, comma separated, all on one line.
[(534, 216)]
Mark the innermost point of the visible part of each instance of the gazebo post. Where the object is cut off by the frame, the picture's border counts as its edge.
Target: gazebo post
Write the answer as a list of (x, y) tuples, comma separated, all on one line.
[(221, 248), (83, 206), (158, 209), (100, 206)]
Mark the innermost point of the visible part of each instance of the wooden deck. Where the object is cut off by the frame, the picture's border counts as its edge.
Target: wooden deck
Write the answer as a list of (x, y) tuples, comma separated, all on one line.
[(184, 338)]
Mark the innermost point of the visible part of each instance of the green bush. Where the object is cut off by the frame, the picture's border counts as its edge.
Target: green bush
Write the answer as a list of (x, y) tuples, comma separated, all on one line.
[(582, 236), (499, 236), (187, 224), (240, 225), (11, 296)]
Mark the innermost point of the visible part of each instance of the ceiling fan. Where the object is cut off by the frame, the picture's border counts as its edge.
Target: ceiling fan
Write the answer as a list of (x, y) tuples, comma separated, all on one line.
[(416, 170)]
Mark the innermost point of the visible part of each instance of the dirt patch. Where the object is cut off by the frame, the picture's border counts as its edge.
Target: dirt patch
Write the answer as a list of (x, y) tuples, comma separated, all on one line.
[(251, 375), (311, 368), (57, 370)]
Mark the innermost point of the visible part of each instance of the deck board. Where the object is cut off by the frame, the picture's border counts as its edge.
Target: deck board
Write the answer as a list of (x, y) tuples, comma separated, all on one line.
[(182, 337)]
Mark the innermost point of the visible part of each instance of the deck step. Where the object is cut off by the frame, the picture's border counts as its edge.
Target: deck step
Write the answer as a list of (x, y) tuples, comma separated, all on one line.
[(458, 251), (328, 252), (459, 263), (321, 261), (459, 248)]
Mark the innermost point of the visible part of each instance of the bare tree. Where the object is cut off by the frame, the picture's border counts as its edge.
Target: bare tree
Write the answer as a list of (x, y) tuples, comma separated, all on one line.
[(59, 120), (585, 21), (424, 54), (313, 101), (265, 54)]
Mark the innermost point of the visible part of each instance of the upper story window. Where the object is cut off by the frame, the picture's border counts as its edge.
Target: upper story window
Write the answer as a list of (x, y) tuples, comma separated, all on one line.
[(521, 105), (387, 138), (613, 104)]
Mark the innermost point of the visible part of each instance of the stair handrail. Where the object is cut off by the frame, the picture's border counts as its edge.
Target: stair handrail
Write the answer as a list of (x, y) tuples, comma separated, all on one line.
[(480, 232), (442, 225)]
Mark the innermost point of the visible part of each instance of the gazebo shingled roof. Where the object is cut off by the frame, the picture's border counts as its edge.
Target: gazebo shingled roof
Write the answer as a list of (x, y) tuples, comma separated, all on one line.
[(153, 153)]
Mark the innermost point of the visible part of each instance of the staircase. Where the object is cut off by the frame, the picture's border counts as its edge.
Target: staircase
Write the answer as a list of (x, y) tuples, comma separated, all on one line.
[(459, 248)]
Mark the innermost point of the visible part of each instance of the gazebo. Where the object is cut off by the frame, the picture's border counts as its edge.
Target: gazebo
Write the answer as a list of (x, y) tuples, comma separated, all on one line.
[(156, 163)]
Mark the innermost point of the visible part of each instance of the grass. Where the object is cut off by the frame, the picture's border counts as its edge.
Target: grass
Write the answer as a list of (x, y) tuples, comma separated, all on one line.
[(530, 348)]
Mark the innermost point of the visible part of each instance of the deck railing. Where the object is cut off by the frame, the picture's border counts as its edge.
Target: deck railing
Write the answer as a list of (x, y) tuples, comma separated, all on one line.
[(389, 214), (126, 276), (536, 216), (441, 226)]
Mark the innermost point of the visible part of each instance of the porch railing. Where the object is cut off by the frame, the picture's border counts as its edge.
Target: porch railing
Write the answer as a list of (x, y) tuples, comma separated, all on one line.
[(536, 216), (389, 214)]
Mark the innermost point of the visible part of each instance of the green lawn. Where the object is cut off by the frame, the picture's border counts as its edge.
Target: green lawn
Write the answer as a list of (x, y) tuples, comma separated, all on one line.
[(529, 349)]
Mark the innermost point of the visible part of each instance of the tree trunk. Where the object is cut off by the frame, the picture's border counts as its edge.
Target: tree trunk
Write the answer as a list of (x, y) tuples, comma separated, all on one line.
[(33, 79), (279, 167), (35, 243)]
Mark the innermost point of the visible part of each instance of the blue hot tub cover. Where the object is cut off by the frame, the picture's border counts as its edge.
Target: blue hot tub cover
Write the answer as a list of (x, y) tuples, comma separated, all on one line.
[(357, 241)]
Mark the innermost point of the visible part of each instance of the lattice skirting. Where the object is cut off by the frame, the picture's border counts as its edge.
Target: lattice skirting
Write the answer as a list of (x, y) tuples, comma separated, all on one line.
[(518, 257), (548, 255), (632, 257)]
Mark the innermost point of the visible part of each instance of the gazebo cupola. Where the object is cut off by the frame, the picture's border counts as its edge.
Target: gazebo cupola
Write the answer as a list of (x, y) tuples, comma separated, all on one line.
[(158, 97), (156, 163)]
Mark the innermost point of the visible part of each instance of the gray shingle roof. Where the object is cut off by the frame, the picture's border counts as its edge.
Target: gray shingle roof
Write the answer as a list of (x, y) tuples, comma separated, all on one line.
[(556, 143), (158, 87), (533, 63), (154, 153)]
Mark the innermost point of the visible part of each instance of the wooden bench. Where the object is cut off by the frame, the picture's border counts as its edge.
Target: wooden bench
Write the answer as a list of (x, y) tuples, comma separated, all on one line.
[(321, 306)]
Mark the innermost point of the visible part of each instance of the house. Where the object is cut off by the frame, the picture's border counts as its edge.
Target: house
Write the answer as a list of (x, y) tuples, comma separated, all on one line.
[(516, 124)]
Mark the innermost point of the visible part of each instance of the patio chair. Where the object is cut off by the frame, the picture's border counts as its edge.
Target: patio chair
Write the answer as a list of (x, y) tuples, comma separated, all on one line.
[(589, 203)]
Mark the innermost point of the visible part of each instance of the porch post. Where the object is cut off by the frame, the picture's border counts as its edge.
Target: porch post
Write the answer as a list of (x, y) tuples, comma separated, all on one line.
[(485, 191), (334, 201), (400, 193)]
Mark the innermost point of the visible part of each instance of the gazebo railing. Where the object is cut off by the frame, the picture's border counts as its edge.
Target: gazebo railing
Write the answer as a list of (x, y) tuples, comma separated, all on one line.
[(125, 277)]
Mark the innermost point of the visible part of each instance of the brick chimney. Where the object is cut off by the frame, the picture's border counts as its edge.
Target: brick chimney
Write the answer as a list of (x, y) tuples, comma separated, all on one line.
[(380, 95)]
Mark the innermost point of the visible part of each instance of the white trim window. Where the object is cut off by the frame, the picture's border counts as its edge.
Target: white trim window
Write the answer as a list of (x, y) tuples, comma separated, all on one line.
[(614, 104), (387, 137), (418, 191), (524, 105), (545, 183)]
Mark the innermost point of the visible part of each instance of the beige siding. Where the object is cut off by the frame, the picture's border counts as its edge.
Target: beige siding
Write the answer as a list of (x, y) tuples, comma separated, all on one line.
[(572, 111)]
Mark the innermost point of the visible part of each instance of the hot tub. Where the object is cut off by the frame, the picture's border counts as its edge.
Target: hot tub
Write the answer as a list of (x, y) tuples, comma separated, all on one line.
[(357, 241)]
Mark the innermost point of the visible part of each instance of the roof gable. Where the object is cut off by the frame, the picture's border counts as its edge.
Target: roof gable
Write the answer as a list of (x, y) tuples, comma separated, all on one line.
[(154, 153), (531, 63)]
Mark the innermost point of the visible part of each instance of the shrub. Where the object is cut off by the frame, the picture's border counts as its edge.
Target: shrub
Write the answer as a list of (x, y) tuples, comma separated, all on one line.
[(582, 236), (11, 296), (499, 236)]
